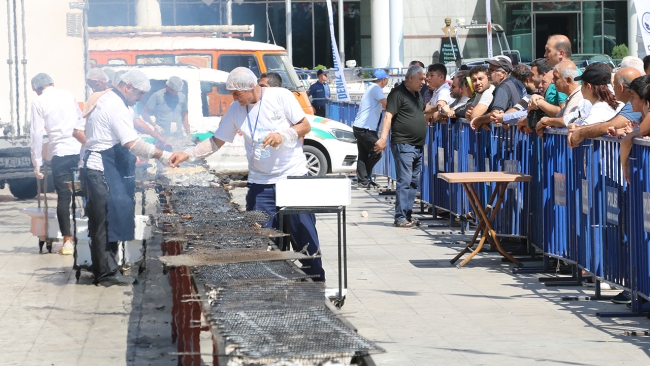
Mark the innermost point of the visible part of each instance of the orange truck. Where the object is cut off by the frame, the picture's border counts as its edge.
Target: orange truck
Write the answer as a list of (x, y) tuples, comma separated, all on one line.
[(223, 54)]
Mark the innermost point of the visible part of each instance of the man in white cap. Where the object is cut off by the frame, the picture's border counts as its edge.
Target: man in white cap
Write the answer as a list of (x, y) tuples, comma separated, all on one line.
[(97, 80), (112, 145), (169, 106), (55, 112), (272, 123), (365, 127)]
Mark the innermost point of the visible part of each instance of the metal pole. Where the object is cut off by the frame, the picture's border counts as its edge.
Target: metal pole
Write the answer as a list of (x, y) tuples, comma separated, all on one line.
[(287, 5), (341, 34), (10, 62), (86, 57), (24, 60), (229, 12), (16, 70)]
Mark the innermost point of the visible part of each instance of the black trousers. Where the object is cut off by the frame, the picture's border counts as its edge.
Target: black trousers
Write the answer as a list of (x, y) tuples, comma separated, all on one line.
[(366, 158), (102, 252), (62, 175), (319, 111)]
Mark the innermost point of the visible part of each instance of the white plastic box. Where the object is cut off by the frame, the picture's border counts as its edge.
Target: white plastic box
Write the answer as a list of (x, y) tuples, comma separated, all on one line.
[(38, 222), (313, 192)]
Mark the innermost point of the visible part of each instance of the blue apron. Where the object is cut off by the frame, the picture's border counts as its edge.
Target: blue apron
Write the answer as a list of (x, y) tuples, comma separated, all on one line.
[(119, 174)]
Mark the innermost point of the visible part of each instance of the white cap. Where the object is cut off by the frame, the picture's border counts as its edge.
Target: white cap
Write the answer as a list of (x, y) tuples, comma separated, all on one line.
[(40, 80), (97, 74), (175, 83), (241, 78), (137, 79)]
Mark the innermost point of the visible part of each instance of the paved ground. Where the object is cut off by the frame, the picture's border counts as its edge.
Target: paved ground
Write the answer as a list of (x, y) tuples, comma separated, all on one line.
[(403, 294)]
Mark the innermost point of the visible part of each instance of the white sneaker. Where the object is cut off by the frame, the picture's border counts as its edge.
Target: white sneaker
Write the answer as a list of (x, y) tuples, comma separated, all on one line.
[(67, 249)]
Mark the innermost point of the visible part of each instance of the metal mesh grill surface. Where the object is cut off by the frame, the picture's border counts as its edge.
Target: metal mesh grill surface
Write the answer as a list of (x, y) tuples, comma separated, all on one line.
[(219, 275), (269, 295), (306, 333), (217, 242)]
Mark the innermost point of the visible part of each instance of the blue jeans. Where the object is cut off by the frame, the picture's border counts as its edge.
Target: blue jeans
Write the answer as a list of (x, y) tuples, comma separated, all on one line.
[(261, 197), (408, 166)]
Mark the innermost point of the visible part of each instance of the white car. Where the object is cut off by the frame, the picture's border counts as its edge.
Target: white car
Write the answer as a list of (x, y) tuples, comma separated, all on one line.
[(330, 147)]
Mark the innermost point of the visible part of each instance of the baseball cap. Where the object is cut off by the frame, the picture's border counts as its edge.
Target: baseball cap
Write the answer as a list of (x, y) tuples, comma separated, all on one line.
[(380, 74), (319, 72), (595, 75), (501, 61)]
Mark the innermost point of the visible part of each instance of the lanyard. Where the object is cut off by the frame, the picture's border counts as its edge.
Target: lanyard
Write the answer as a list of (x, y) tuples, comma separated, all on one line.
[(250, 127)]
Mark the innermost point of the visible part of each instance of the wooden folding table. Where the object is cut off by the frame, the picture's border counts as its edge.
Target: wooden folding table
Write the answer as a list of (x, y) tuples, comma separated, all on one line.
[(485, 214)]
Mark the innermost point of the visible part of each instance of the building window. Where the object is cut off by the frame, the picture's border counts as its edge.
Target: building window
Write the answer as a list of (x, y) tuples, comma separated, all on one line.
[(615, 25), (190, 12), (111, 13), (518, 29)]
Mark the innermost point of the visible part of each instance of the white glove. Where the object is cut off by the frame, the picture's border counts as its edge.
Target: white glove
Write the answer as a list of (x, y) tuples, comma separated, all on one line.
[(289, 137), (202, 149), (164, 158), (37, 173)]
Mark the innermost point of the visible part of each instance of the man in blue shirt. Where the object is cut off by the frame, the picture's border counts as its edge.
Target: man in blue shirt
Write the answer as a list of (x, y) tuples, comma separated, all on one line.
[(365, 128), (319, 93)]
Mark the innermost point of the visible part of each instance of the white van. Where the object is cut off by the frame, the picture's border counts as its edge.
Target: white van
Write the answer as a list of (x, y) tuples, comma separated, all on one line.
[(330, 147)]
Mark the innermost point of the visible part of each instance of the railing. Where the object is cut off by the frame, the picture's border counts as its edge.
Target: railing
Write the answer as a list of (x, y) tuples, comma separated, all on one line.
[(577, 208)]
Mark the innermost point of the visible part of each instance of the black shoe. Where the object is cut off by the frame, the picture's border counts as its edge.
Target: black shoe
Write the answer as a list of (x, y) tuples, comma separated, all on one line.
[(403, 223), (415, 222), (117, 279), (622, 298), (373, 185)]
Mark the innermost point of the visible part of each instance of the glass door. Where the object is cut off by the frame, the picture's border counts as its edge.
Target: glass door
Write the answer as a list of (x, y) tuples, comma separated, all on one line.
[(547, 24)]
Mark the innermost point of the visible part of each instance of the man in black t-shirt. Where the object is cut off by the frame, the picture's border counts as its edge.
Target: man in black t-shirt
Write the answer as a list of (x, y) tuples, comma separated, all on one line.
[(408, 128)]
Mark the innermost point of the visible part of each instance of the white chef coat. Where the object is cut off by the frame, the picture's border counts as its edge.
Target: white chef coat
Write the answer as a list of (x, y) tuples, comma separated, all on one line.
[(276, 111), (110, 123), (56, 113)]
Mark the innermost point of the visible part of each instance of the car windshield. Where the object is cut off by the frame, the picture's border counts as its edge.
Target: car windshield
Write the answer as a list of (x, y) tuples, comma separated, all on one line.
[(280, 63)]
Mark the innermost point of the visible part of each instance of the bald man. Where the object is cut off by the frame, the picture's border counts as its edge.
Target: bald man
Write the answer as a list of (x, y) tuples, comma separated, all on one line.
[(622, 81), (557, 49), (564, 75)]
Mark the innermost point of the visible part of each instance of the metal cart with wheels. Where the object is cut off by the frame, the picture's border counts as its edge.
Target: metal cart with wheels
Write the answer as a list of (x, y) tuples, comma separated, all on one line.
[(43, 233), (82, 256)]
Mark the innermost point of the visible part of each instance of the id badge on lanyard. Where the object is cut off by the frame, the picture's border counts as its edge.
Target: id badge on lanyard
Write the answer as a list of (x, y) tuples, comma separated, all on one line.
[(257, 137)]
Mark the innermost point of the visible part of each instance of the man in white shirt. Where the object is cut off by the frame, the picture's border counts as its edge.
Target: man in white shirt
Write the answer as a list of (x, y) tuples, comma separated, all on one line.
[(56, 113), (112, 145), (365, 128), (564, 75), (440, 90), (272, 123)]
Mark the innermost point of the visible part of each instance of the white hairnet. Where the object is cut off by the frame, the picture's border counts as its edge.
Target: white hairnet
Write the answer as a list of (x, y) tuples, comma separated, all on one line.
[(175, 83), (110, 74), (137, 79), (115, 80), (97, 74), (40, 80), (241, 78)]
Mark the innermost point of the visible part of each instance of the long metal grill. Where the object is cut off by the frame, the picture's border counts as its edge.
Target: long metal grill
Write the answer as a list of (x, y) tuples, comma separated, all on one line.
[(264, 309), (311, 333), (221, 275)]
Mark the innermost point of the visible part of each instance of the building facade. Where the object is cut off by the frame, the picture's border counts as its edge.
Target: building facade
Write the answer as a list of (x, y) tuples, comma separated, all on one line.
[(375, 35)]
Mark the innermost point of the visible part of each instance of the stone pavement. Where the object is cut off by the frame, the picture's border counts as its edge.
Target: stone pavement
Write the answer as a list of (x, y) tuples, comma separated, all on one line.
[(403, 294)]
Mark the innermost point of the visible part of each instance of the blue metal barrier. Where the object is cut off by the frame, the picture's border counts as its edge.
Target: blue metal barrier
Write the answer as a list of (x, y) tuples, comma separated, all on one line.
[(557, 157), (577, 207), (637, 224)]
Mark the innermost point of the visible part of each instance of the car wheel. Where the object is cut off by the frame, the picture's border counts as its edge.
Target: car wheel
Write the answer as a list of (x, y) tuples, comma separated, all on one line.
[(23, 188), (316, 162)]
